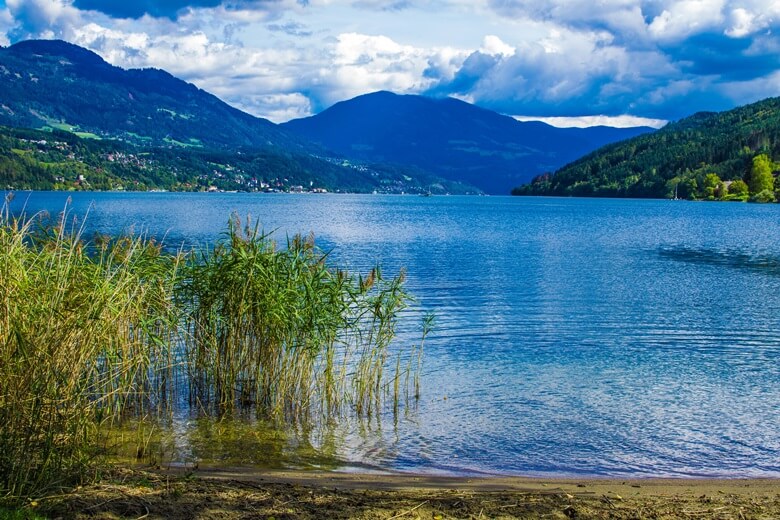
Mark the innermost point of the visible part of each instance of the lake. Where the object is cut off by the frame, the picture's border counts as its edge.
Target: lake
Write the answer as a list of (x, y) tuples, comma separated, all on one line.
[(574, 337)]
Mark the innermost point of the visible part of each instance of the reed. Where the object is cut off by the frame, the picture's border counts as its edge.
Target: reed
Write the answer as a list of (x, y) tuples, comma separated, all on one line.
[(280, 330), (84, 338), (95, 332)]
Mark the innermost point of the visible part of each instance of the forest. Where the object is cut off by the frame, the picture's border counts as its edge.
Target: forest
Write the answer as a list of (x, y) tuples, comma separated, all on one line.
[(61, 160), (726, 156)]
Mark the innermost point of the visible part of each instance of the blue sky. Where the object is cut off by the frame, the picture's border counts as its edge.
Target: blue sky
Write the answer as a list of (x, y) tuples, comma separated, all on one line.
[(586, 61)]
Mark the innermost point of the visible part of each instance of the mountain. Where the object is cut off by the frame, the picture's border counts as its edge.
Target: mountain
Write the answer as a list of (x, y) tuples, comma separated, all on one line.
[(168, 134), (451, 138), (60, 160), (55, 84), (680, 155)]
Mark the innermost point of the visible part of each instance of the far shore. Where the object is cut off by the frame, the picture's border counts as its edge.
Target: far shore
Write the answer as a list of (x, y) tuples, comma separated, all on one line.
[(243, 493)]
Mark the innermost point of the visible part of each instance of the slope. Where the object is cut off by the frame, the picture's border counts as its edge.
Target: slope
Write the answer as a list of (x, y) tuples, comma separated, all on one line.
[(451, 138), (55, 84), (60, 160), (680, 154)]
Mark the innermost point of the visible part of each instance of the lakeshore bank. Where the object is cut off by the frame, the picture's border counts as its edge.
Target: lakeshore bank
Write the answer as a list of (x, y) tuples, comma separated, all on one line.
[(239, 493)]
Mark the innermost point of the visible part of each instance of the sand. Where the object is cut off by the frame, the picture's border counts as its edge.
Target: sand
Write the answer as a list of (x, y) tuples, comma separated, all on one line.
[(241, 493)]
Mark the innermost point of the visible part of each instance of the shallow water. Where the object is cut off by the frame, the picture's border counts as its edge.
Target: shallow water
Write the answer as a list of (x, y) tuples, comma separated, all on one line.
[(573, 336)]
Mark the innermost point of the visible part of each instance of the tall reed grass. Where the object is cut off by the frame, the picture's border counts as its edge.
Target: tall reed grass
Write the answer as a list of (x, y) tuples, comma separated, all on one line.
[(96, 331), (281, 330)]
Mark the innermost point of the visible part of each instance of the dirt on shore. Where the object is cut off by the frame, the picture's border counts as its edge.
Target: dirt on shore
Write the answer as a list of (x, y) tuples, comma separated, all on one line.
[(225, 494)]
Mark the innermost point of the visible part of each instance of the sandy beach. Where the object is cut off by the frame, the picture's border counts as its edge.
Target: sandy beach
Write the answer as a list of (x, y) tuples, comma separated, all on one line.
[(241, 493)]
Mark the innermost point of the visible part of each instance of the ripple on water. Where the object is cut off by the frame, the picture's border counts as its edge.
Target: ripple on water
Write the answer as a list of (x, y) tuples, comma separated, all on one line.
[(573, 337)]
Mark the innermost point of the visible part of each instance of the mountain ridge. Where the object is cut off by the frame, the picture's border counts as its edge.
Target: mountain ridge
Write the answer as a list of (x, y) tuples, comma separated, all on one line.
[(58, 84), (450, 137), (675, 160)]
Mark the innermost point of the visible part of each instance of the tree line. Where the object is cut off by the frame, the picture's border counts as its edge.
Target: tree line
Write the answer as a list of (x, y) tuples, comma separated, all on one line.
[(705, 156)]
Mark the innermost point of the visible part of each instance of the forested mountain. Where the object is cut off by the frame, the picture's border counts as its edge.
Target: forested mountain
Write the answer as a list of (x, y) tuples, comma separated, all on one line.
[(157, 132), (54, 84), (451, 138), (32, 159), (696, 157)]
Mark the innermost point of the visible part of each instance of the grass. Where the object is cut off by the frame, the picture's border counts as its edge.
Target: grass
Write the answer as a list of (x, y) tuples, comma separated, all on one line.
[(19, 514), (94, 333)]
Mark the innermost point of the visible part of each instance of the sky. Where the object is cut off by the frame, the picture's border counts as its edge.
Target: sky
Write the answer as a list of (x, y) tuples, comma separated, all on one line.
[(567, 62)]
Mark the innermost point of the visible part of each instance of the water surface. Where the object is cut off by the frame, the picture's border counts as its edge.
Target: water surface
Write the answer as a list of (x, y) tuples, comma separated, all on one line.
[(574, 336)]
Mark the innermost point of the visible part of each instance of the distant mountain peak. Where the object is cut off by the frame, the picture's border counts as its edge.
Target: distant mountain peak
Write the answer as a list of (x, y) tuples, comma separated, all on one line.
[(60, 48), (449, 137), (56, 84)]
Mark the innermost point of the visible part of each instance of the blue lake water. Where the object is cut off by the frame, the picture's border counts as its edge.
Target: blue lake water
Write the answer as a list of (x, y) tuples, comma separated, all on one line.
[(573, 336)]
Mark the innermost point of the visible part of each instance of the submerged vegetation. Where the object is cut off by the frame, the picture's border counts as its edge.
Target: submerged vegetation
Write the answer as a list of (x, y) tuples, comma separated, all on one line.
[(101, 331)]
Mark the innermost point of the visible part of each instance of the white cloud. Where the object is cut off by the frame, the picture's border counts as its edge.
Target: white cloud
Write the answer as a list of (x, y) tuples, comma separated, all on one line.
[(269, 82), (755, 89), (6, 23), (621, 17), (494, 46), (52, 18), (741, 23), (537, 57), (277, 107), (587, 121), (750, 17), (560, 66), (686, 17), (362, 63)]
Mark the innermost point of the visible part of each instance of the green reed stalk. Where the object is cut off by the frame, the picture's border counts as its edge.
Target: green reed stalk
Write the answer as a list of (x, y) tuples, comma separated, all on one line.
[(95, 332), (81, 338)]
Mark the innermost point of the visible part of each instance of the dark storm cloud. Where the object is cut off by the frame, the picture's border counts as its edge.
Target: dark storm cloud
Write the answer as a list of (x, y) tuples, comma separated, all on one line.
[(730, 59), (166, 8), (138, 8)]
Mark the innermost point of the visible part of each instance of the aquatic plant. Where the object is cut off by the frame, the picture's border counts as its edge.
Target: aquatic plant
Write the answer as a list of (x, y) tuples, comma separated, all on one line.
[(281, 330), (83, 339), (94, 332)]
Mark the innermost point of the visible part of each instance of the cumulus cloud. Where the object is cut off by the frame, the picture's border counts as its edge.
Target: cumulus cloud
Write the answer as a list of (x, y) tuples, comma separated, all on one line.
[(6, 23), (624, 18), (363, 63), (277, 107), (658, 59), (587, 121), (42, 18), (686, 17), (492, 45), (550, 76)]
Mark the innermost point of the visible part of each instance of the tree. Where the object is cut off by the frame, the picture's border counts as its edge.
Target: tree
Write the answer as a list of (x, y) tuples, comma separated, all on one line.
[(764, 196), (688, 188), (738, 190), (710, 185), (721, 191), (760, 178)]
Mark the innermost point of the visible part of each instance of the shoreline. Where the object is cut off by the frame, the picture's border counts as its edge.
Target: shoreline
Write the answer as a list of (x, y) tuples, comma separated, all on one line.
[(229, 493), (392, 481)]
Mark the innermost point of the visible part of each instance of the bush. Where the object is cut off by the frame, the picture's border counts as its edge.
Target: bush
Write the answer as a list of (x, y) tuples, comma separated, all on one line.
[(763, 196)]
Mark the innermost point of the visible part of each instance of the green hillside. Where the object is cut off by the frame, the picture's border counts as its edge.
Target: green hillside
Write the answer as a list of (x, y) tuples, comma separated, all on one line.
[(697, 157), (60, 160), (53, 84)]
